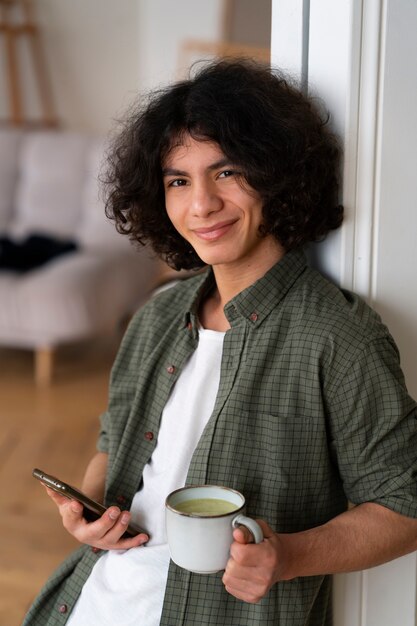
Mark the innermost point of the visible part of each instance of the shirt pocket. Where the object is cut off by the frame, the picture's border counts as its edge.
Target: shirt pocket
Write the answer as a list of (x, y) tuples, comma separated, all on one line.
[(280, 462)]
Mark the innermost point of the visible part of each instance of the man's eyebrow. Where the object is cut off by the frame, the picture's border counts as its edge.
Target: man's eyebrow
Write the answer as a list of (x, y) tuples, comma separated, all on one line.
[(171, 171), (220, 163)]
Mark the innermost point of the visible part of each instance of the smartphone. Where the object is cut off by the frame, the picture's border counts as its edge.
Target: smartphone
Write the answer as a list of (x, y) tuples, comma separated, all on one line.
[(92, 509)]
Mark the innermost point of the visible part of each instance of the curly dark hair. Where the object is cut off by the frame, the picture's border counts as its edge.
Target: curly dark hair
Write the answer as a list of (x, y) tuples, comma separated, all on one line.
[(277, 136)]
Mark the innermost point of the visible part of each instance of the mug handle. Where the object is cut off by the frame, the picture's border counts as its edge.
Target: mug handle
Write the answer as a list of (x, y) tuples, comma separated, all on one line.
[(251, 525)]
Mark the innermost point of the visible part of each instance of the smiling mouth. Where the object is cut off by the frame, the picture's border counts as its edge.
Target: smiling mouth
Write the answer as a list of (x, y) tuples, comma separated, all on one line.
[(216, 231)]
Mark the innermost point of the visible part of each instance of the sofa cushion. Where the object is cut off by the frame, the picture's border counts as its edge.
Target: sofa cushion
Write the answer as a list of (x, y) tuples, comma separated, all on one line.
[(9, 146), (52, 169), (72, 297), (75, 295), (95, 230)]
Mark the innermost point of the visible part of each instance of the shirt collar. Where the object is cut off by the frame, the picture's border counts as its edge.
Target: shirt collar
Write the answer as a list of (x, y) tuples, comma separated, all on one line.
[(255, 302)]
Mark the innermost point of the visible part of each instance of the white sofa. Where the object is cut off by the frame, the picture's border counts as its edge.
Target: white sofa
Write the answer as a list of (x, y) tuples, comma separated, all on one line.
[(48, 185)]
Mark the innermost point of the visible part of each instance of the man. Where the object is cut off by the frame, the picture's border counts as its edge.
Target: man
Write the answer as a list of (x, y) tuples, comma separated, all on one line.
[(257, 374)]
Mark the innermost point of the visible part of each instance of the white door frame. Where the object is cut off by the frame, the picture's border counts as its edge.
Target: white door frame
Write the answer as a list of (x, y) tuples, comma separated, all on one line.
[(337, 49)]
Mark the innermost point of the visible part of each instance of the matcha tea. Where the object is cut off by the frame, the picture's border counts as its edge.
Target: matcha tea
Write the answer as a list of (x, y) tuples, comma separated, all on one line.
[(206, 506)]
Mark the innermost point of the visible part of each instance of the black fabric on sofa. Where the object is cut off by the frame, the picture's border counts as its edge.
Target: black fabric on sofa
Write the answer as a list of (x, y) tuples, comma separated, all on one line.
[(34, 251)]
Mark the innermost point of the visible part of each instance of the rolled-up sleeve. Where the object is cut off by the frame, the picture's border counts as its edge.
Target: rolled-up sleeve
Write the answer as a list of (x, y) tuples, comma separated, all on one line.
[(374, 430), (102, 444)]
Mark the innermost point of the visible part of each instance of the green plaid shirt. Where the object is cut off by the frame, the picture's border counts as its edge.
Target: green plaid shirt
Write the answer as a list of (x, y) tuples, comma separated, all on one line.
[(312, 411)]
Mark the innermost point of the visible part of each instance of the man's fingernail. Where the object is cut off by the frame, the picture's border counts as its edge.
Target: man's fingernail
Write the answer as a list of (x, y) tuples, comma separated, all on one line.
[(125, 518), (114, 513)]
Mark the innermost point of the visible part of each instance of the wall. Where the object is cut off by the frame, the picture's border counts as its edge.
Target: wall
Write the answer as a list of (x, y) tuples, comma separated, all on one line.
[(394, 276), (92, 54), (163, 27)]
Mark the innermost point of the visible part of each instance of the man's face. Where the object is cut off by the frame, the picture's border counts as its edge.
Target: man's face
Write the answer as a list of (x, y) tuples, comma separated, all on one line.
[(211, 205)]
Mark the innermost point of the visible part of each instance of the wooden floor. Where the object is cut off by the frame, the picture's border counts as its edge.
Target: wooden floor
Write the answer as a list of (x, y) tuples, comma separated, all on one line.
[(54, 429)]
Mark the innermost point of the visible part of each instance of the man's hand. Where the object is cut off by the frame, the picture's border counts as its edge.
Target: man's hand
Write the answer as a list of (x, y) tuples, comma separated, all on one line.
[(104, 533), (366, 535), (253, 568)]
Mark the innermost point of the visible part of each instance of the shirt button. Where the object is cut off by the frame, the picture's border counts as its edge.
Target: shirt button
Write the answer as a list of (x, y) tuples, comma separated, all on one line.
[(171, 369), (94, 549), (149, 435), (63, 608), (253, 317), (120, 499)]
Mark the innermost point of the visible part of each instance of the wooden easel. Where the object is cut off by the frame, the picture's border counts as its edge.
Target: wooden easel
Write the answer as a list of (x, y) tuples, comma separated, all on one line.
[(13, 30)]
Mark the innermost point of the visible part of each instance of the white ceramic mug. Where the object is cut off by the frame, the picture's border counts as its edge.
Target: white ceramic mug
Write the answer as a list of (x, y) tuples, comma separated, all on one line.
[(199, 542)]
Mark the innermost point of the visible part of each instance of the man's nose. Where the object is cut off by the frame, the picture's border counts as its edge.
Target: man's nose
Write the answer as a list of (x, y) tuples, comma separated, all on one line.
[(205, 198)]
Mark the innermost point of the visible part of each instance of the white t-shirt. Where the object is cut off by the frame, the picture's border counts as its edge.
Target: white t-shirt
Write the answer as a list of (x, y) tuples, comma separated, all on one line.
[(127, 587)]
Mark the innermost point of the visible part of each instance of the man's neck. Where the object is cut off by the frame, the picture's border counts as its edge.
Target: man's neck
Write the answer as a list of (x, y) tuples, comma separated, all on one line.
[(231, 281)]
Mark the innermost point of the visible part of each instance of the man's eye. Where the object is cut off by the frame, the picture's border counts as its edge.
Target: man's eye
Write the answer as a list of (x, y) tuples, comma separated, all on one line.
[(227, 173), (178, 182)]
